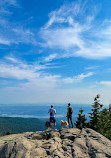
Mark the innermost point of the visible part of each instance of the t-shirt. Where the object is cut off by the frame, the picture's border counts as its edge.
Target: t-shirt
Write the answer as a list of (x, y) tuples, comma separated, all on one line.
[(52, 112)]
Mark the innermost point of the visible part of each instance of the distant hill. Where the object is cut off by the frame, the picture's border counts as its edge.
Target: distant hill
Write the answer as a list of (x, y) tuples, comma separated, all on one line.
[(18, 125)]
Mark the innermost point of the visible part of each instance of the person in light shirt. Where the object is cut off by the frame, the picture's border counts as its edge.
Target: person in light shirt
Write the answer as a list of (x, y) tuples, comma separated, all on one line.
[(52, 113)]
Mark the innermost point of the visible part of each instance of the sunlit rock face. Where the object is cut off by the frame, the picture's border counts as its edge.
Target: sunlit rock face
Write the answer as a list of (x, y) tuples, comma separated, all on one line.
[(65, 143)]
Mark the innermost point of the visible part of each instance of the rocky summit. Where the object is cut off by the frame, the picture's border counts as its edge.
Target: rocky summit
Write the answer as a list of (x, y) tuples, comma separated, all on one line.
[(65, 143)]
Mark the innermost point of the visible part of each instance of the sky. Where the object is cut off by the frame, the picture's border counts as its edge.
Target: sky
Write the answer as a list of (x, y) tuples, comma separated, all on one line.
[(55, 51)]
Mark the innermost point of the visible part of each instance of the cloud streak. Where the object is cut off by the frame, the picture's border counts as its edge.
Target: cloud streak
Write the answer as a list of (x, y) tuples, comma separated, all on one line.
[(4, 4), (77, 78), (19, 70), (37, 85), (106, 83), (13, 33), (73, 31)]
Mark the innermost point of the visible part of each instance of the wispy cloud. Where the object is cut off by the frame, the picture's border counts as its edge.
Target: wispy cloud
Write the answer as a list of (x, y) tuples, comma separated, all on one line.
[(8, 2), (4, 41), (37, 85), (72, 29), (11, 33), (32, 74), (19, 70), (77, 78), (4, 4), (50, 57), (15, 72), (106, 83), (24, 36), (92, 67), (18, 35)]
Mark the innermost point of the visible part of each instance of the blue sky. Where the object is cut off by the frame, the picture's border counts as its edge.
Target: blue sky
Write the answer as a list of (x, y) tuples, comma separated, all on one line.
[(55, 51)]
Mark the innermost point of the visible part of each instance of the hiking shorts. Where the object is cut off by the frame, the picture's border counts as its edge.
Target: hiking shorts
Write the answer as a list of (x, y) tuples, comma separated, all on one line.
[(52, 120)]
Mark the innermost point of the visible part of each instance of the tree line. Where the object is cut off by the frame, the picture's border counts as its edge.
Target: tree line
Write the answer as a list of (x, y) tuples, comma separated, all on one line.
[(100, 118)]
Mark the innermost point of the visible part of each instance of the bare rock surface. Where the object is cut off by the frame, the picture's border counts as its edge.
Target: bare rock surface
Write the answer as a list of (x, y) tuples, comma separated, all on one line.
[(65, 143)]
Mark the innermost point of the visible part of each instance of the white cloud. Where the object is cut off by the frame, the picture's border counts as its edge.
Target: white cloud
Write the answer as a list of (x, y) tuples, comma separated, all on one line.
[(106, 83), (82, 76), (72, 29), (63, 38), (77, 78), (39, 86), (16, 69), (12, 59), (50, 57), (24, 36), (4, 6), (4, 41), (15, 72), (9, 34), (64, 13), (92, 67), (9, 2), (35, 73), (18, 35)]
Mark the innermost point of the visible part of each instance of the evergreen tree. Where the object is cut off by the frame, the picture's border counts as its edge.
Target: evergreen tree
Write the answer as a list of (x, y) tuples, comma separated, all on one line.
[(81, 119), (104, 123), (94, 116)]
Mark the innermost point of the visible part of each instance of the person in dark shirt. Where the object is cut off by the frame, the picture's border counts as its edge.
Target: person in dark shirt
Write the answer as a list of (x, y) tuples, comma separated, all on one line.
[(69, 114)]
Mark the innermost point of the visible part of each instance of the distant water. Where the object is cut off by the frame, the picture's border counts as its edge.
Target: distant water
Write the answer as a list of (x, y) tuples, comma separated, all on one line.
[(40, 111)]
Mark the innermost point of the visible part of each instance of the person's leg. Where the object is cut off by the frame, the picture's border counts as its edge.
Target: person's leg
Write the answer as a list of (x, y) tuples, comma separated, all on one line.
[(51, 122), (71, 121), (54, 121)]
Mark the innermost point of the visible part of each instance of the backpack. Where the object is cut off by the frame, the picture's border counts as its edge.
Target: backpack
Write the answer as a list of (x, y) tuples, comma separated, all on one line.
[(70, 111)]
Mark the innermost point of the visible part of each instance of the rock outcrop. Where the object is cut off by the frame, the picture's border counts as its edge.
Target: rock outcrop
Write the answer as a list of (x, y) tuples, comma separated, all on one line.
[(66, 143)]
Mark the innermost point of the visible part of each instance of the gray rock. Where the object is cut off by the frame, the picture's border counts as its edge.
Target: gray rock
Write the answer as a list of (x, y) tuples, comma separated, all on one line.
[(71, 143)]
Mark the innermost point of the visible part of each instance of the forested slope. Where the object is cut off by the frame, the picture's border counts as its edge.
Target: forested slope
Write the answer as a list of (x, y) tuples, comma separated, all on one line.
[(18, 125)]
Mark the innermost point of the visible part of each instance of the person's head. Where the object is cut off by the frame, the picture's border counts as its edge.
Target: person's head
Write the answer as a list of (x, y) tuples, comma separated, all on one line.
[(52, 106), (69, 104)]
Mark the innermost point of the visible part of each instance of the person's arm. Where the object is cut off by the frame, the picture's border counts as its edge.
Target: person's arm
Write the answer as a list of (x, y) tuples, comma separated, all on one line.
[(72, 109), (67, 111), (55, 111), (49, 111)]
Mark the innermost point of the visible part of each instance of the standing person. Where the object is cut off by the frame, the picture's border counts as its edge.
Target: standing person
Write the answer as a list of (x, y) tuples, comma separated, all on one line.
[(52, 112), (69, 114)]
